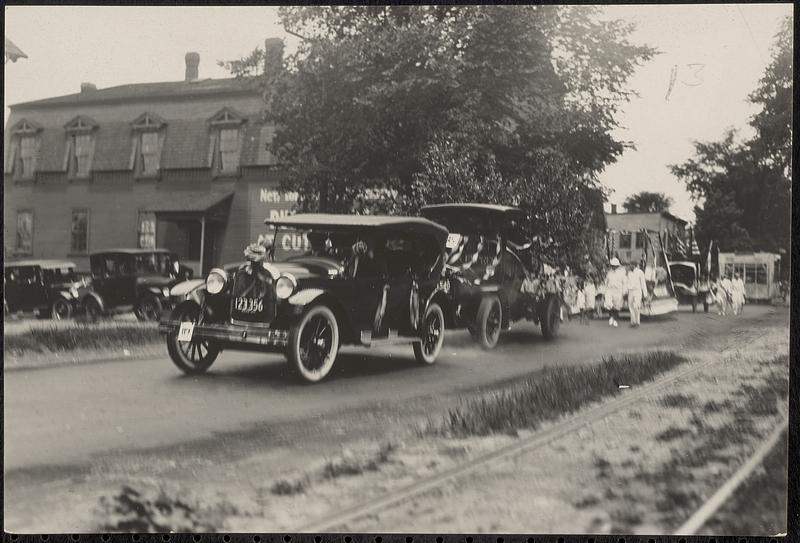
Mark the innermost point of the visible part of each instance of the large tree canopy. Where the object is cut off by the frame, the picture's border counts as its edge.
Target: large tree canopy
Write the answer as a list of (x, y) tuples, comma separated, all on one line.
[(743, 188), (647, 202), (386, 108)]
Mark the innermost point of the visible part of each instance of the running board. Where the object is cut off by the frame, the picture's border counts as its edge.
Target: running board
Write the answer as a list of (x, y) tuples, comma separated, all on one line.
[(392, 339)]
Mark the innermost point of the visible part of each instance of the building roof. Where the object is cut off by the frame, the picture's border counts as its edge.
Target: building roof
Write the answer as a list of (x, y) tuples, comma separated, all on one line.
[(666, 214), (327, 220), (147, 91), (42, 263)]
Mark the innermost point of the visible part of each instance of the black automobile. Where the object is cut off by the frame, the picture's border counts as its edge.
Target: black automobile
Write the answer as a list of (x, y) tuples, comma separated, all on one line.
[(47, 288), (489, 269), (691, 287), (353, 280), (132, 279)]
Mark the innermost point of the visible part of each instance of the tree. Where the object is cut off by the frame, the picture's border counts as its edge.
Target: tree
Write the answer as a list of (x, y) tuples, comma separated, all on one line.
[(386, 108), (647, 202), (743, 188)]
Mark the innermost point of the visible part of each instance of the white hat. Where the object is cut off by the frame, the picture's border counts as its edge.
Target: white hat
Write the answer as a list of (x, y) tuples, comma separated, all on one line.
[(614, 261)]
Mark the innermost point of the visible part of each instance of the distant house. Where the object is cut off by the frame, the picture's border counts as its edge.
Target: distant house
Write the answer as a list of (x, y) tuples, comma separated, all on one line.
[(627, 240), (182, 165)]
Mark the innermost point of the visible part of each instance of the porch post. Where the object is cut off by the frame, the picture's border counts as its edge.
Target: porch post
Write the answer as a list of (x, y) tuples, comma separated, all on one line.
[(202, 244)]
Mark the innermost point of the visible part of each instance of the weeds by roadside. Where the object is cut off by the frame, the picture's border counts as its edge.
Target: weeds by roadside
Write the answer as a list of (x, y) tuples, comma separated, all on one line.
[(551, 393), (81, 336)]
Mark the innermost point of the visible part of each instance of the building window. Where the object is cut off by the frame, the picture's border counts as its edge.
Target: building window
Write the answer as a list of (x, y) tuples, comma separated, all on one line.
[(79, 239), (23, 150), (225, 150), (147, 144), (80, 147), (24, 232), (640, 240), (228, 150), (625, 240), (147, 231)]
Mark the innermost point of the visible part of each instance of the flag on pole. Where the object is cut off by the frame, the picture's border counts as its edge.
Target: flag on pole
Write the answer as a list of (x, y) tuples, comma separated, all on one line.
[(695, 247), (680, 246), (708, 259)]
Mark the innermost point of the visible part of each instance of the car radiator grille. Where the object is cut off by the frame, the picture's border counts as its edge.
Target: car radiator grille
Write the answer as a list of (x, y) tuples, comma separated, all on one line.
[(253, 297)]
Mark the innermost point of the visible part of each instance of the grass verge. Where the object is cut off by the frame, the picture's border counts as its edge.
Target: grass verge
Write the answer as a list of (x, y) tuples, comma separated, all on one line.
[(80, 337), (551, 393)]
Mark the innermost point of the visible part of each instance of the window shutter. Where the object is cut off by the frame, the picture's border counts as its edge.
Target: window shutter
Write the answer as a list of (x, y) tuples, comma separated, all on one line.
[(212, 149), (67, 153), (135, 139), (12, 155), (37, 152)]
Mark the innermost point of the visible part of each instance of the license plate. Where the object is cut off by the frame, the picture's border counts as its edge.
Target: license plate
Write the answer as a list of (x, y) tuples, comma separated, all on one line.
[(185, 332), (249, 305), (452, 240)]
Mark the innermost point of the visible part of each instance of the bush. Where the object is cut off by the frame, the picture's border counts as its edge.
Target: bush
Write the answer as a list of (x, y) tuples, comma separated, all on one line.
[(551, 393), (81, 336)]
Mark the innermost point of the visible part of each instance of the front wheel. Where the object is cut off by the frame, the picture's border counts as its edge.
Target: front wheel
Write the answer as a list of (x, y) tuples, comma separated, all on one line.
[(61, 310), (194, 356), (488, 322), (314, 344), (432, 335), (550, 316)]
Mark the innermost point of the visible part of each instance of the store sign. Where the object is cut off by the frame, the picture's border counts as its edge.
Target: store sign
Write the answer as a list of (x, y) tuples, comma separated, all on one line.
[(275, 204)]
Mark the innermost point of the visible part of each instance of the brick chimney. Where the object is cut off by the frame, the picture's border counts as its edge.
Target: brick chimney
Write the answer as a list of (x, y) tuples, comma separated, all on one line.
[(192, 66), (273, 56), (87, 87), (613, 209)]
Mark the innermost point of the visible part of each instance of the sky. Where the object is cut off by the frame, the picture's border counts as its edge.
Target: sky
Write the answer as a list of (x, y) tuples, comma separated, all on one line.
[(717, 54)]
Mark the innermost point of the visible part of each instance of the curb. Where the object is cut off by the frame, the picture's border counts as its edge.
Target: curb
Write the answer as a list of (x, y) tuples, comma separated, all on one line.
[(76, 363)]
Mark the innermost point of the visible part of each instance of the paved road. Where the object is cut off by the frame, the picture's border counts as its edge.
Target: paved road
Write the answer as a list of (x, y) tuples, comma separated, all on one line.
[(65, 416)]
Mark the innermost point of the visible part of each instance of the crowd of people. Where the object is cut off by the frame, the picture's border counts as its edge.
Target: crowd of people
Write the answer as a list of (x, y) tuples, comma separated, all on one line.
[(729, 294)]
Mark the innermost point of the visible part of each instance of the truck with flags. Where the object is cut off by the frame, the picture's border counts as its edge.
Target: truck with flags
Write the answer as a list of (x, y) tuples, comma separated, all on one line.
[(692, 275)]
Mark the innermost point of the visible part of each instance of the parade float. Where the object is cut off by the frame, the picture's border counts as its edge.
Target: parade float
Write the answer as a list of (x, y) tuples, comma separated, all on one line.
[(660, 298)]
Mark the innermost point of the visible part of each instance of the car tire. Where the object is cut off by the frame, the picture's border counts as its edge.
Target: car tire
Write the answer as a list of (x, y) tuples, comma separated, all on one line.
[(432, 335), (148, 308), (313, 344), (549, 316), (60, 310), (92, 309), (489, 322), (191, 357)]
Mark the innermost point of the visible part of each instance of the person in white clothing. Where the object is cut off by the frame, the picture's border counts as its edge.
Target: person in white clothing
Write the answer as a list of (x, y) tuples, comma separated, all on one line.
[(737, 294), (726, 288), (636, 286), (615, 290)]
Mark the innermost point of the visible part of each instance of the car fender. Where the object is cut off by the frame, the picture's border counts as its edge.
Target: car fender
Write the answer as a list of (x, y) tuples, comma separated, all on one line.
[(97, 298), (305, 296), (65, 295)]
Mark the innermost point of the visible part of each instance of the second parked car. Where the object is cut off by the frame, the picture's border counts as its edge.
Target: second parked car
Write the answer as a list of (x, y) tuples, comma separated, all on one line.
[(132, 279), (47, 288)]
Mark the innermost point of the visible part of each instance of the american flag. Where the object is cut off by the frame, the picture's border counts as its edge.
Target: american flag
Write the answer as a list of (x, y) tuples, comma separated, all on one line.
[(680, 246), (695, 247)]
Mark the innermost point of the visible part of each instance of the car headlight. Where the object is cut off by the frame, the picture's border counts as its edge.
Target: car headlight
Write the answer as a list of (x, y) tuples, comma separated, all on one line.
[(284, 286), (216, 281), (73, 292)]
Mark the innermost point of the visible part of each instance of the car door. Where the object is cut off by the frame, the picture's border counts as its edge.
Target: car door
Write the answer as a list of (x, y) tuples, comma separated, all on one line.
[(398, 284), (31, 290)]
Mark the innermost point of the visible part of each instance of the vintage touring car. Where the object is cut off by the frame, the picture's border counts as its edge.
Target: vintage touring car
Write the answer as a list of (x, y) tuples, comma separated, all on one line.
[(490, 273), (360, 280), (132, 279)]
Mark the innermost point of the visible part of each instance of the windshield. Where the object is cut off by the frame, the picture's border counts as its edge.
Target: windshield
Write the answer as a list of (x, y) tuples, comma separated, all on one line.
[(298, 242), (59, 275), (158, 263)]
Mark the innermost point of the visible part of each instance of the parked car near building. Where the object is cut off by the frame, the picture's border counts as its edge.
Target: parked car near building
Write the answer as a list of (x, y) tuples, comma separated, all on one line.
[(360, 280), (490, 277), (132, 279), (48, 288)]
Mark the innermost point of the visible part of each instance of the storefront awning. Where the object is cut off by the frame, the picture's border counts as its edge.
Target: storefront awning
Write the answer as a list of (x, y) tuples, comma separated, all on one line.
[(210, 205)]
